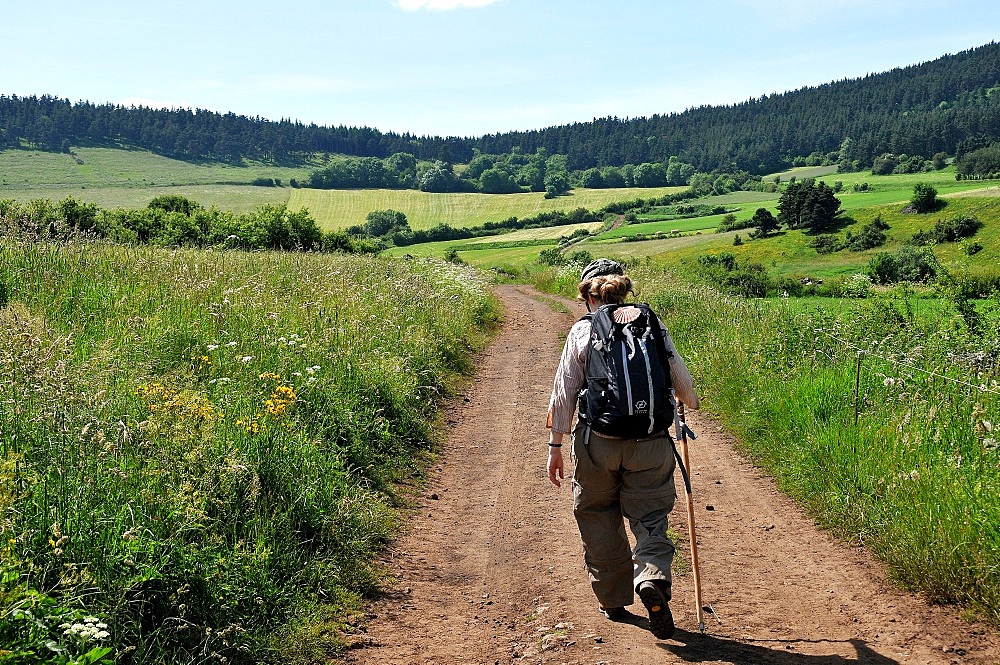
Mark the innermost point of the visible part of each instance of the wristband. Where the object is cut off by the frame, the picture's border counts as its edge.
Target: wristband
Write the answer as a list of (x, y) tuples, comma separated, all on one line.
[(555, 445)]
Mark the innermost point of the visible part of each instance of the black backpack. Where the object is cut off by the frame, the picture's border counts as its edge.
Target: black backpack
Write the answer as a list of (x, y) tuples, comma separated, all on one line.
[(627, 394)]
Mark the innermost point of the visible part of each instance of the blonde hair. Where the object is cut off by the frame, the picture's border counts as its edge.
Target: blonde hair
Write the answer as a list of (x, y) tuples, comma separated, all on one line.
[(606, 288)]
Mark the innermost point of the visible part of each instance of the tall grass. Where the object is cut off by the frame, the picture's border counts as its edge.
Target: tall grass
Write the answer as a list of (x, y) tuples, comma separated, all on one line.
[(915, 480), (199, 449)]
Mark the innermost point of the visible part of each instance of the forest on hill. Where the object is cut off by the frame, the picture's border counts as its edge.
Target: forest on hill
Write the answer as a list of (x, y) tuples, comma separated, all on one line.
[(943, 106)]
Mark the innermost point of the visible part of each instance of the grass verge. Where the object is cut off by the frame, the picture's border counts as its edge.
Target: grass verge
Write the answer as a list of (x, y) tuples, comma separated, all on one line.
[(200, 450)]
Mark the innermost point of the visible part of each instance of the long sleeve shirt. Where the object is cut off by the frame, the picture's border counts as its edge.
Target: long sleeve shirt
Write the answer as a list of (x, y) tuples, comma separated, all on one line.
[(572, 375)]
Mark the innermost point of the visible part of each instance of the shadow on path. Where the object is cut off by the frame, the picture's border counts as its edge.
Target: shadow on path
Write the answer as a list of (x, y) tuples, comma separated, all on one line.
[(698, 648)]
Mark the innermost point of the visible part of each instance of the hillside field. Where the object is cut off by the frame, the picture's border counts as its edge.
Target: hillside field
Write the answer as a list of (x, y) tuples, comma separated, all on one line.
[(114, 178), (341, 208)]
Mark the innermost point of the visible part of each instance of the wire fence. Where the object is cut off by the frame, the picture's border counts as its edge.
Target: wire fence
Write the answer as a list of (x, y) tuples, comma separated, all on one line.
[(900, 363)]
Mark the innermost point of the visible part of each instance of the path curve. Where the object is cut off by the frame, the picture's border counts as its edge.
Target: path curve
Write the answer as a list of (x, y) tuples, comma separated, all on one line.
[(491, 568)]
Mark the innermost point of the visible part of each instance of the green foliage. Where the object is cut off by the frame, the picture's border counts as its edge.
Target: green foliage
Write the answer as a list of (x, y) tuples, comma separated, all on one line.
[(982, 163), (907, 264), (364, 172), (206, 444), (872, 235), (924, 198), (914, 478), (948, 230), (440, 178), (171, 203), (380, 223), (857, 286), (170, 221), (808, 205), (764, 223)]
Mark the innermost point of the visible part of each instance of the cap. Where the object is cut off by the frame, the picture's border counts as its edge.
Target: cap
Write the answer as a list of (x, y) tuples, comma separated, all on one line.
[(600, 267)]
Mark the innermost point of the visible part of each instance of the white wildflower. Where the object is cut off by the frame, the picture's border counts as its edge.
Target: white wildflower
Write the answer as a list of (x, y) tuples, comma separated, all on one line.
[(212, 347), (914, 475), (246, 359), (231, 344)]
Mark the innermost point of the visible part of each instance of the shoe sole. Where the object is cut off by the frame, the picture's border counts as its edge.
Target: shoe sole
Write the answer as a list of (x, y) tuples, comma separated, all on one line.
[(661, 622)]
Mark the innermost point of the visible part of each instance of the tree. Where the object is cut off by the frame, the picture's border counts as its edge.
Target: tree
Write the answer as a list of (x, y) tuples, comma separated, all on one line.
[(924, 198), (764, 223), (808, 205), (650, 175), (556, 183), (380, 223), (497, 181), (592, 179), (439, 178)]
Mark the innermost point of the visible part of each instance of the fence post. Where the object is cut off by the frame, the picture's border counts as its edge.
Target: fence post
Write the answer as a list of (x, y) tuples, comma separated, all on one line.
[(857, 390)]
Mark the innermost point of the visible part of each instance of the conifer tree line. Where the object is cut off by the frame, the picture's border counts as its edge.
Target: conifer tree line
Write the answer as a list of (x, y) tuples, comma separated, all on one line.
[(916, 111)]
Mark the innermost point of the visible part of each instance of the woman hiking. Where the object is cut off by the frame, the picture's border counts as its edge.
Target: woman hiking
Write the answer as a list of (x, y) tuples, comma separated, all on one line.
[(614, 368)]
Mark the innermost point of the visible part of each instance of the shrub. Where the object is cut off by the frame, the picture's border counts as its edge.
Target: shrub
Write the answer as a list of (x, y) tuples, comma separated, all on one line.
[(550, 257), (872, 235), (857, 286), (972, 248), (948, 230), (924, 198), (883, 268)]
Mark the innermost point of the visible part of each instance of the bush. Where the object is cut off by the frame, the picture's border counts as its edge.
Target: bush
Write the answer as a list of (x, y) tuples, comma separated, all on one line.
[(924, 198), (825, 243), (972, 248), (857, 286), (948, 230), (872, 235), (883, 268)]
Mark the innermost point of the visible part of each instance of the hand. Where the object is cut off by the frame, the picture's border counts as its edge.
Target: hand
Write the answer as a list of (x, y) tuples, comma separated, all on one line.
[(555, 465)]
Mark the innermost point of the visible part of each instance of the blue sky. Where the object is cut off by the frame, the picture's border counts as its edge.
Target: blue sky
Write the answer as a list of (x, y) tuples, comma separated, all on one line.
[(466, 67)]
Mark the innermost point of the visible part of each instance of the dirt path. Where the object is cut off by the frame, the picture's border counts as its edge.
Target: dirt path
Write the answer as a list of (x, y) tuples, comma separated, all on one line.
[(491, 570)]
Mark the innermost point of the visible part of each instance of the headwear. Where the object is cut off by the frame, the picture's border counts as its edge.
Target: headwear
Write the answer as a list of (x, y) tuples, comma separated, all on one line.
[(601, 267)]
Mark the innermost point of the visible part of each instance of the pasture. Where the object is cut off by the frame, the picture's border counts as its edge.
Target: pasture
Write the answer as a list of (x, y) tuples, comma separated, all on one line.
[(340, 209), (131, 178)]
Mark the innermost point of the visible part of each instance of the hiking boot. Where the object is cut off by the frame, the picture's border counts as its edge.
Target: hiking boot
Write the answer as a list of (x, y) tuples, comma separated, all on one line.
[(661, 622), (615, 613)]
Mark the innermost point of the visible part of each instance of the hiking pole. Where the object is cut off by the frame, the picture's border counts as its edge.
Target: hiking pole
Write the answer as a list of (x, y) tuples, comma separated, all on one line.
[(684, 430)]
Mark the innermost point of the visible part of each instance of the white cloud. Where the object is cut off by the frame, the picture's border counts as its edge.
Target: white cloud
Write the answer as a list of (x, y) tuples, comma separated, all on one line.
[(414, 5)]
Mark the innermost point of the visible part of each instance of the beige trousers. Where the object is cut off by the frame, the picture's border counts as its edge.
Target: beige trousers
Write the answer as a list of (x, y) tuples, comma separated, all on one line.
[(630, 479)]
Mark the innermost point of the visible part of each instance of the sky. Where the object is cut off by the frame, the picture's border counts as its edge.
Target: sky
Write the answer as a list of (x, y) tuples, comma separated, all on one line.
[(466, 67)]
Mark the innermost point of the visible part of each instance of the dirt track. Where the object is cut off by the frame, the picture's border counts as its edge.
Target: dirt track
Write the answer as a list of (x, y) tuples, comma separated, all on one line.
[(491, 570)]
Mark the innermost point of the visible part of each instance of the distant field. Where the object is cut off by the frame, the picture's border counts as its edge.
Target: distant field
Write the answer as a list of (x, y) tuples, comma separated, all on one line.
[(131, 178), (339, 209), (239, 198), (25, 170), (547, 233)]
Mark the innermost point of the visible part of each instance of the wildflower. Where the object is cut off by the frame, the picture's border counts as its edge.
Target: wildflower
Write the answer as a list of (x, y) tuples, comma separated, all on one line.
[(212, 347), (246, 359), (914, 475), (231, 344)]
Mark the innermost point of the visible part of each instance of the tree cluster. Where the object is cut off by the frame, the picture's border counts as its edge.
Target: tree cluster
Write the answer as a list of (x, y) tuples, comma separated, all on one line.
[(174, 221), (805, 204), (926, 109), (979, 163)]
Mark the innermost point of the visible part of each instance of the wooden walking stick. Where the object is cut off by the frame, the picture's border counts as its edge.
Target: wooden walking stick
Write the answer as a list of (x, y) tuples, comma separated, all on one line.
[(683, 431)]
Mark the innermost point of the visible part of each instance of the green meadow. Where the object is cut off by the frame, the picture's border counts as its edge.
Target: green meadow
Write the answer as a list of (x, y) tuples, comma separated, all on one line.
[(131, 178), (339, 209), (203, 450)]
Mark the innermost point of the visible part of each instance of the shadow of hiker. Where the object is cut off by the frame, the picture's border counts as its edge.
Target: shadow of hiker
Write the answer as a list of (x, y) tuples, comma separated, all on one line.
[(697, 648)]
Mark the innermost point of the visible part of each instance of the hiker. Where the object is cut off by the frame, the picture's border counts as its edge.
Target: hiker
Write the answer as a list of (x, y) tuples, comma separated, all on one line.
[(621, 470)]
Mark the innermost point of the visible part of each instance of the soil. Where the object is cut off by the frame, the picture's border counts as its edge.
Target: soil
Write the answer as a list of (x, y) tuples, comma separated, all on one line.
[(491, 567)]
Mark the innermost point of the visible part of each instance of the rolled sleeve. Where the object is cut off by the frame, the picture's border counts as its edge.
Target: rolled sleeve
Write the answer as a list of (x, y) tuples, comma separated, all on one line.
[(570, 378), (680, 377)]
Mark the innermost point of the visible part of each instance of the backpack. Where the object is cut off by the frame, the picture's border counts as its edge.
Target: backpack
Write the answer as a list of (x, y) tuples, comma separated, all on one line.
[(628, 391)]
